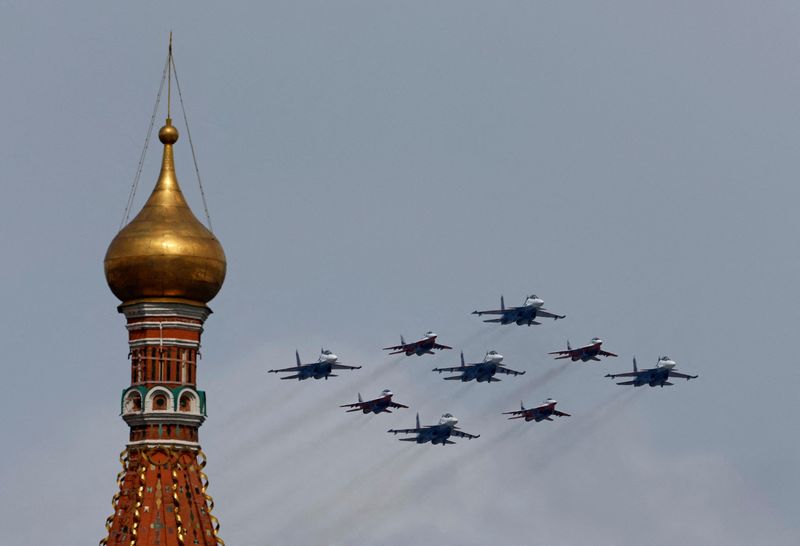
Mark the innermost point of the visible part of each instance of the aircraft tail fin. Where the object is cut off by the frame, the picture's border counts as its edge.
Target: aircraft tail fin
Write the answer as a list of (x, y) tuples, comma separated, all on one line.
[(448, 442), (668, 383), (402, 340), (297, 357), (494, 320), (502, 303), (626, 383), (521, 405), (635, 368), (493, 380), (569, 347), (463, 364), (359, 398), (418, 420)]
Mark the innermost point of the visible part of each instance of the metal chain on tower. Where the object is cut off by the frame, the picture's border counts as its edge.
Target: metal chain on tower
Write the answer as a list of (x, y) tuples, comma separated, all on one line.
[(139, 168), (191, 144)]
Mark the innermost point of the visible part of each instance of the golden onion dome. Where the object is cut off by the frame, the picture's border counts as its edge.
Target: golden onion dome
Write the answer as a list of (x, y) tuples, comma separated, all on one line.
[(165, 251)]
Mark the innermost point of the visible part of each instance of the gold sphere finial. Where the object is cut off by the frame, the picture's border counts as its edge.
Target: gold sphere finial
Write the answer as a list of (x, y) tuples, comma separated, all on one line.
[(168, 134)]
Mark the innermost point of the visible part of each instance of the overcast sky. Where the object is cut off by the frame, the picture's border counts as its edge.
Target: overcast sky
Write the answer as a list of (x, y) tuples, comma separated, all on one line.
[(377, 168)]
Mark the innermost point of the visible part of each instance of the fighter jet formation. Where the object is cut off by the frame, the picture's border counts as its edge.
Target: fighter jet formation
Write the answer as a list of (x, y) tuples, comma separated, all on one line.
[(481, 372)]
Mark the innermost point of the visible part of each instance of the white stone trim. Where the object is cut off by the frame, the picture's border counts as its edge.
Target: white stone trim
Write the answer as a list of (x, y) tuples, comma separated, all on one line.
[(179, 324), (160, 342), (163, 418), (156, 443), (165, 309)]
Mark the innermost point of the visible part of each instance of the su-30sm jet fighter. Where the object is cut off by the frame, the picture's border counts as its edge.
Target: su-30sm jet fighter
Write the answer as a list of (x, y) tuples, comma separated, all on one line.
[(425, 345), (321, 369), (480, 371), (539, 413), (435, 434), (526, 314), (655, 377), (376, 406), (585, 353)]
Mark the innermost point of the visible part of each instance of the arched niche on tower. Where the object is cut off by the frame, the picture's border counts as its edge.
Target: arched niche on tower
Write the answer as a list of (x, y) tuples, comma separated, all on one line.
[(133, 402), (189, 402), (159, 399)]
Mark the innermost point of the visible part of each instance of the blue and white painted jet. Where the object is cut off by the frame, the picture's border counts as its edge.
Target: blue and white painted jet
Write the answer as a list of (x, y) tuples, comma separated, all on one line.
[(435, 434), (527, 313), (321, 369), (655, 377), (480, 371)]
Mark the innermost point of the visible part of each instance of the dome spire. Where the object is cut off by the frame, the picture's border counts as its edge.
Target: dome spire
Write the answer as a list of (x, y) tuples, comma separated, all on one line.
[(165, 251)]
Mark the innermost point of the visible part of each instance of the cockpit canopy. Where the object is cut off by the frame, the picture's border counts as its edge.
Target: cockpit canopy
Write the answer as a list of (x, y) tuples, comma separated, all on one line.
[(447, 416), (596, 340), (386, 392), (430, 333)]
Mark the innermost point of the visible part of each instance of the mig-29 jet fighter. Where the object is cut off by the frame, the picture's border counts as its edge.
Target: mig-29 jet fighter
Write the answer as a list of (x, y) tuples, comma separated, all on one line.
[(435, 434), (539, 413), (585, 353), (655, 377), (321, 369), (526, 314), (376, 406), (480, 371), (425, 345)]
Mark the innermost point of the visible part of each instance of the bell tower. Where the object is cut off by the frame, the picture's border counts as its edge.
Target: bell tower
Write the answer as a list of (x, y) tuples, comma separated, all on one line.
[(164, 266)]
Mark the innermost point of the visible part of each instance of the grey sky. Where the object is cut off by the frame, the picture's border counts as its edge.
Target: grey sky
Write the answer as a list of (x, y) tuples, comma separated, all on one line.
[(378, 168)]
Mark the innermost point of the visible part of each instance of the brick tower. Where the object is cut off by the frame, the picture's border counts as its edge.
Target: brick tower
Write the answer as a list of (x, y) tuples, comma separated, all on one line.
[(164, 266)]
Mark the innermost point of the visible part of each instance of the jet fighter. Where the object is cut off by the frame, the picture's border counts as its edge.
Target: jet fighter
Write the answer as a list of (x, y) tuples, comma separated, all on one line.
[(585, 353), (321, 369), (419, 348), (480, 371), (539, 413), (658, 376), (525, 314), (376, 406), (435, 434)]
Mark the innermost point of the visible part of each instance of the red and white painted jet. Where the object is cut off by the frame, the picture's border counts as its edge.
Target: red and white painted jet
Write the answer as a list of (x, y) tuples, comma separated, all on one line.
[(425, 345), (376, 406), (585, 353), (539, 413)]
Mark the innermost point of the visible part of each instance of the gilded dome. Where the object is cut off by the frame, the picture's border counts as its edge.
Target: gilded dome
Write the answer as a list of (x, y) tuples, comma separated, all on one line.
[(165, 251)]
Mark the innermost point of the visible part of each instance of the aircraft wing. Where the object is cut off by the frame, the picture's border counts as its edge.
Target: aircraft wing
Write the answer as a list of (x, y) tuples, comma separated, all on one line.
[(623, 374), (682, 375), (462, 434), (561, 413), (568, 352), (548, 314), (401, 347), (509, 371), (405, 430), (493, 311), (439, 346), (344, 367), (292, 369), (355, 405), (295, 376), (396, 405), (606, 353), (517, 412), (454, 369)]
